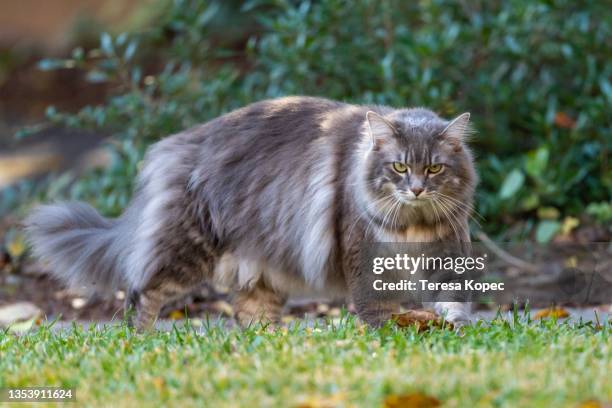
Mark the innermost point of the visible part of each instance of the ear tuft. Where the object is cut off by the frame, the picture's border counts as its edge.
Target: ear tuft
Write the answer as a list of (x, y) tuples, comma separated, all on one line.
[(457, 131), (459, 127), (379, 128)]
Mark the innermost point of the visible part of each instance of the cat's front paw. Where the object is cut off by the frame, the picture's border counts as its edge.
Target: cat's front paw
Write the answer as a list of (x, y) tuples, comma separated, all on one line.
[(456, 313), (458, 320)]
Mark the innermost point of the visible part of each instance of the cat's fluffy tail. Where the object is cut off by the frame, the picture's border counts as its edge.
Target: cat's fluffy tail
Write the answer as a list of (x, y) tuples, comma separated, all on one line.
[(82, 248)]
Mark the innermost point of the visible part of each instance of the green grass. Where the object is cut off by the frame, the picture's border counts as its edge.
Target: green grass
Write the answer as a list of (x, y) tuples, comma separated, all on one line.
[(489, 364)]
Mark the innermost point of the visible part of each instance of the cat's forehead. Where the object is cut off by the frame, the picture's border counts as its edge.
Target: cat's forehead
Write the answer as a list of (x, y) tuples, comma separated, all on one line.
[(418, 123)]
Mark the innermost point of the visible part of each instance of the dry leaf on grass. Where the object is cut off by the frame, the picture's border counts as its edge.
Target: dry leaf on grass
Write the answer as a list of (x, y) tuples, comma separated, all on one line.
[(594, 404), (322, 402), (322, 308), (159, 383), (287, 319), (176, 315), (422, 319), (552, 312), (18, 313), (416, 400), (78, 303)]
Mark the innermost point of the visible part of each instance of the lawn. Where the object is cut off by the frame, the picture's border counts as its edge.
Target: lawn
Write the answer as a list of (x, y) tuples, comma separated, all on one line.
[(342, 363)]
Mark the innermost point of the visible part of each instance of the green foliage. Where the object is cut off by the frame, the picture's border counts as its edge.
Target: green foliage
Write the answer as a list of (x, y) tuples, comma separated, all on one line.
[(601, 211), (534, 74), (147, 107)]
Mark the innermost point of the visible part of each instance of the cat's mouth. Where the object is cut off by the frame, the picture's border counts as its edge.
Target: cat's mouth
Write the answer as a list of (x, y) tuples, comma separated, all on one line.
[(409, 198)]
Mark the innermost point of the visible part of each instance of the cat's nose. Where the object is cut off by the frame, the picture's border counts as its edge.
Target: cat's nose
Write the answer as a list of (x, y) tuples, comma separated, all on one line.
[(417, 190)]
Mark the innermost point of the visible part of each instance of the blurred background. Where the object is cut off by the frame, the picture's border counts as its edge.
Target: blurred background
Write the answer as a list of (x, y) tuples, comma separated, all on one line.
[(87, 85)]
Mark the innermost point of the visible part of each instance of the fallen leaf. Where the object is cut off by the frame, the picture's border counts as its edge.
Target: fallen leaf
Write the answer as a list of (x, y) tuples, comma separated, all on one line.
[(196, 322), (176, 315), (287, 319), (569, 224), (416, 400), (78, 303), (571, 262), (334, 312), (593, 404), (563, 120), (16, 246), (18, 312), (159, 383), (422, 319), (322, 402), (22, 326), (552, 312), (322, 308)]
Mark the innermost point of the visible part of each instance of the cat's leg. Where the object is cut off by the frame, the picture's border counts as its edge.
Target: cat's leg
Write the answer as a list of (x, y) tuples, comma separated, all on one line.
[(258, 304), (376, 313), (189, 268), (147, 303), (371, 307), (130, 306)]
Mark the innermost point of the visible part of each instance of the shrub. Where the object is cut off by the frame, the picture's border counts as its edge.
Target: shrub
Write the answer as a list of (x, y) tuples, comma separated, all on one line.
[(534, 74)]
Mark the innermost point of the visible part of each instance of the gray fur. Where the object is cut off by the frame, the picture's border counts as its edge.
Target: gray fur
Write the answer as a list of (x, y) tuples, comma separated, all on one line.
[(82, 247), (284, 190)]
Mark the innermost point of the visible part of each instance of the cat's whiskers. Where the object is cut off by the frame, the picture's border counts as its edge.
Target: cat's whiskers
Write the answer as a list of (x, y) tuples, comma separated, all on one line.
[(391, 215), (461, 210), (439, 210), (454, 200), (451, 214), (455, 205), (387, 211), (383, 201), (467, 208), (396, 214), (450, 217), (437, 215), (457, 221)]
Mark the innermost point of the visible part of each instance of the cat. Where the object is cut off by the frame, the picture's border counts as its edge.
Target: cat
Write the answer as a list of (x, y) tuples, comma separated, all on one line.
[(272, 199)]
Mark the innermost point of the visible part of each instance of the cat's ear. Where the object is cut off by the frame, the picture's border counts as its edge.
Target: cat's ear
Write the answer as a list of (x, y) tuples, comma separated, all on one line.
[(379, 128), (457, 131)]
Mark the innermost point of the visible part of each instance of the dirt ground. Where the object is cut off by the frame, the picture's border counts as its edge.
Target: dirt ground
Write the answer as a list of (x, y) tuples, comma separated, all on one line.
[(55, 301)]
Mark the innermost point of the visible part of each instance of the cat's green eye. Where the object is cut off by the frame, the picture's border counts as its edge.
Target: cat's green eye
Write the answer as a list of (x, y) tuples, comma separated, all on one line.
[(434, 168), (400, 167)]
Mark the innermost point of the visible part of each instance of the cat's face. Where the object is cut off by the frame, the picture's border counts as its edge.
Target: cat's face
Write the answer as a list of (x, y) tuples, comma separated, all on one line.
[(418, 161)]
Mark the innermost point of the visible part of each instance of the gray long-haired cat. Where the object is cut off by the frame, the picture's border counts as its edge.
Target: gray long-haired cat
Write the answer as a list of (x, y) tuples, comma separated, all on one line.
[(273, 199)]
